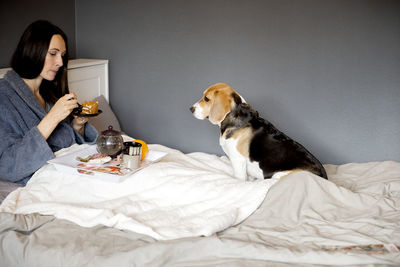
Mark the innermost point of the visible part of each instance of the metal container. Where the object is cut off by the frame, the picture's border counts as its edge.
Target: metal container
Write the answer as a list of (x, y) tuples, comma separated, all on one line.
[(131, 155)]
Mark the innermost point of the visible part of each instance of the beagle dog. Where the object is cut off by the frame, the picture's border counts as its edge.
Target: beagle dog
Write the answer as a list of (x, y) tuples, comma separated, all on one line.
[(255, 147)]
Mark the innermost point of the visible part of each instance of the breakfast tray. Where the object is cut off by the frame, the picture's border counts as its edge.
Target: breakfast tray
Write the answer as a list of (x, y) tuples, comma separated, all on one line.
[(111, 171)]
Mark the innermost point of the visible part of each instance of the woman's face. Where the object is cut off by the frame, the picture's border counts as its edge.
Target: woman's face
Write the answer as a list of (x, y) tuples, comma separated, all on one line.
[(54, 56)]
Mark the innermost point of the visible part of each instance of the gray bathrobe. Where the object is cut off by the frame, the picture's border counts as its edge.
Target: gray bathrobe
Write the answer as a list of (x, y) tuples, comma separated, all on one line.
[(23, 150)]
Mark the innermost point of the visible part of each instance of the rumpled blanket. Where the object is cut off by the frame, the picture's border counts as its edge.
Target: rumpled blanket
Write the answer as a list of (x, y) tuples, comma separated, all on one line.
[(303, 220), (183, 195)]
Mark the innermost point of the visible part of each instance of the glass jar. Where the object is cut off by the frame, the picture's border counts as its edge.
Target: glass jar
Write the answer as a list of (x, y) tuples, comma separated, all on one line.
[(110, 142)]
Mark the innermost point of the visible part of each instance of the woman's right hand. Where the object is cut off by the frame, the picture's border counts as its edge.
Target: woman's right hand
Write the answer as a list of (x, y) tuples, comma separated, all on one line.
[(61, 109)]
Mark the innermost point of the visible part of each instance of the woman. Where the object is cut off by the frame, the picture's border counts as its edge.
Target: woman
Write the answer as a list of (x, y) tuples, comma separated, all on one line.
[(36, 106)]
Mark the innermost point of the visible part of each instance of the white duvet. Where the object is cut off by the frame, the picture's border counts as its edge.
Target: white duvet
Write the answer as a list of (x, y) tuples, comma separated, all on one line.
[(184, 195), (302, 220)]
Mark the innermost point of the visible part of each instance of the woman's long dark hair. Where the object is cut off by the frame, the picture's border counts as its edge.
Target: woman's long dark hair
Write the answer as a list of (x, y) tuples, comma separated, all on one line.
[(30, 54)]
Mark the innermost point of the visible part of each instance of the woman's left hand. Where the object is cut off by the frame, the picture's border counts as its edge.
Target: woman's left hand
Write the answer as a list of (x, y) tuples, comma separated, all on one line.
[(78, 123)]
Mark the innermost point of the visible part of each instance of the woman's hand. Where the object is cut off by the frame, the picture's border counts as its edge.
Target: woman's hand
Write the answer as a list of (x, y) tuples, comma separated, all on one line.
[(78, 123), (61, 109)]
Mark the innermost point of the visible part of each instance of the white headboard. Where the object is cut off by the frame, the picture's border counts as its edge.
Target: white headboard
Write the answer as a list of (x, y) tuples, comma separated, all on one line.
[(88, 78)]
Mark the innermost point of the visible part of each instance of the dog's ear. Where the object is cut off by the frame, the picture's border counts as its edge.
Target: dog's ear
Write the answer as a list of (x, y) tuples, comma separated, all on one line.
[(236, 98), (219, 108)]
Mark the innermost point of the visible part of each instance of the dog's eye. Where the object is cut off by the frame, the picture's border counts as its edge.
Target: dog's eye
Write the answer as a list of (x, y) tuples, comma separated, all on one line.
[(206, 99)]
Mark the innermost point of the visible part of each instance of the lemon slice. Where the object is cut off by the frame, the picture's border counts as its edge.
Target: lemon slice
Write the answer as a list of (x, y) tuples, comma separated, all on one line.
[(145, 148)]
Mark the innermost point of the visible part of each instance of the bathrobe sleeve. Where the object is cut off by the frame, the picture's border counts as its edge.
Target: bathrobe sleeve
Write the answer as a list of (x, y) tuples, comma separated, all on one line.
[(90, 136), (24, 152), (21, 156)]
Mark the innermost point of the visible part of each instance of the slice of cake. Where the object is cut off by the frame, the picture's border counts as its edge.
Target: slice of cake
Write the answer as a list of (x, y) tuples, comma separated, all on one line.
[(90, 107)]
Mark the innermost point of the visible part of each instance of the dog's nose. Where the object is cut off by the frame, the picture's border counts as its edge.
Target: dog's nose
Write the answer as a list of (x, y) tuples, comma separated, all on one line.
[(192, 109)]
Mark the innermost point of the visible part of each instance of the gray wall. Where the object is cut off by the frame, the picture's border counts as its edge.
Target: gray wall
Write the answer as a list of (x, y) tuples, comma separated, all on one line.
[(324, 72), (16, 15)]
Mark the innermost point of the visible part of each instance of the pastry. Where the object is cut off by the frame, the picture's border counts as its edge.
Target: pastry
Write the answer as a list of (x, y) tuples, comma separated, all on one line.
[(90, 107)]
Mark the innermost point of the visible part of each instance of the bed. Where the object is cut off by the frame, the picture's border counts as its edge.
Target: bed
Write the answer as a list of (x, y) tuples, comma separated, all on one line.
[(187, 210)]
